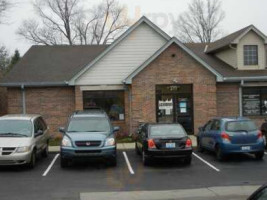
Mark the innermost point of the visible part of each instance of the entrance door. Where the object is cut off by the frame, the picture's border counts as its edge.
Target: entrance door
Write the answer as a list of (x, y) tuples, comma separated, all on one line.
[(175, 105)]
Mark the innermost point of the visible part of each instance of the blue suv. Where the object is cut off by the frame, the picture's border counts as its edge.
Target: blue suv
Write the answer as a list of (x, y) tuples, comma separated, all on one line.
[(88, 135), (231, 135)]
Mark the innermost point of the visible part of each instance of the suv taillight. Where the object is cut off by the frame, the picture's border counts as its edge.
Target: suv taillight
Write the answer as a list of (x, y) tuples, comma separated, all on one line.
[(188, 143), (225, 137), (151, 144)]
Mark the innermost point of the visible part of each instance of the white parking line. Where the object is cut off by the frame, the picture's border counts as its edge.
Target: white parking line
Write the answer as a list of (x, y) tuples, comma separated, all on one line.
[(210, 165), (265, 153), (128, 163), (51, 165)]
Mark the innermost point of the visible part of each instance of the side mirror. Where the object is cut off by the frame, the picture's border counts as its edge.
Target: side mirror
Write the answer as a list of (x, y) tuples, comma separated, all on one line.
[(116, 129), (61, 130), (38, 133)]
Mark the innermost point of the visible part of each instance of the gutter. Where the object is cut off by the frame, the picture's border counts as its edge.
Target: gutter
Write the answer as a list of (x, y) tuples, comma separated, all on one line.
[(240, 79), (35, 84)]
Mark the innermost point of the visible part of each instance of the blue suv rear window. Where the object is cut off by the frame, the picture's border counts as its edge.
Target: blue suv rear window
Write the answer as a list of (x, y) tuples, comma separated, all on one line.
[(237, 126)]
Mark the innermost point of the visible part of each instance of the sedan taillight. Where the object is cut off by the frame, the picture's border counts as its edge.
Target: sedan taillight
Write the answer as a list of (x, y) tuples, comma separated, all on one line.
[(188, 143), (259, 135), (151, 144), (225, 137)]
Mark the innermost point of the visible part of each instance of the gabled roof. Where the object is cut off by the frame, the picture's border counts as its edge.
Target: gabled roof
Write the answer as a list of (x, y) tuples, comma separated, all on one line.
[(51, 65), (174, 40), (118, 40), (233, 39), (228, 72)]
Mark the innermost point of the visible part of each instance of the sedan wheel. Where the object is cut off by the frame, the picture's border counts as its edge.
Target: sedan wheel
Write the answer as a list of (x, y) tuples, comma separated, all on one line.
[(259, 155), (33, 160), (199, 146), (145, 159), (45, 151), (137, 150), (219, 154)]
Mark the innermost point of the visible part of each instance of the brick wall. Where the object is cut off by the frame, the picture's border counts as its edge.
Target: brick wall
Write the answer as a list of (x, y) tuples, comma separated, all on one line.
[(163, 70), (55, 104), (227, 100)]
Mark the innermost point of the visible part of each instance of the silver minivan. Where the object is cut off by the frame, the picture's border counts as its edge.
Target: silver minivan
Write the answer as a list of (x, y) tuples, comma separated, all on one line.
[(22, 139)]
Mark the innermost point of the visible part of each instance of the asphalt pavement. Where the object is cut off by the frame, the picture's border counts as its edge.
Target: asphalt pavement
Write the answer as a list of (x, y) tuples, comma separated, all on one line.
[(237, 177)]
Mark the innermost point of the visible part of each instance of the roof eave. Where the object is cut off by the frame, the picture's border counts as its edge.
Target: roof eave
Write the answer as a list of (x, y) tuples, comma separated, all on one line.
[(34, 84)]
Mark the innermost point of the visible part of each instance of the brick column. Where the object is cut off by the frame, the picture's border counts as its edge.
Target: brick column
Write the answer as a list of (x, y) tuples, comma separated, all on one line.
[(78, 98)]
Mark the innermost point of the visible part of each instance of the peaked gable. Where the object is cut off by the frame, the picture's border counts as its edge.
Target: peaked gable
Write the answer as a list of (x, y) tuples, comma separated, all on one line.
[(125, 54), (174, 40)]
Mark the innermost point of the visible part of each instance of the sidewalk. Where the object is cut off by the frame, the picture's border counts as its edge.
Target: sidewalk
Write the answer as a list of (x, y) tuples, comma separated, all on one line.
[(209, 193), (121, 146)]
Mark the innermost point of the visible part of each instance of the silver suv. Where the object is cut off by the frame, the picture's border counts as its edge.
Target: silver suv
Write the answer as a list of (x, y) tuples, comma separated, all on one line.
[(22, 139)]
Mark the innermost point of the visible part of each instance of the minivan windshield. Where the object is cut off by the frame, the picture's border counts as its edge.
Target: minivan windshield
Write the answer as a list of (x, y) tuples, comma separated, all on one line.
[(237, 126), (15, 128), (173, 130), (89, 124)]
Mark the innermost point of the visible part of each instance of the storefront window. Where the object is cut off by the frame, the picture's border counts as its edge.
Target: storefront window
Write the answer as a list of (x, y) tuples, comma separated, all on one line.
[(254, 101), (110, 101)]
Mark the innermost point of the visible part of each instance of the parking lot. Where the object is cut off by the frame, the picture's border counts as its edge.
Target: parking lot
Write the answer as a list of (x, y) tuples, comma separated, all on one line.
[(49, 181)]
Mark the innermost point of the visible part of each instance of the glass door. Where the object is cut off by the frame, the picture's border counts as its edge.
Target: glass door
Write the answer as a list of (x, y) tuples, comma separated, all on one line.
[(165, 112)]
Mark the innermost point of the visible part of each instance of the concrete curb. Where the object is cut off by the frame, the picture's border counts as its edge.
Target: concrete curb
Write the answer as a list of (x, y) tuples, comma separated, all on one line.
[(229, 192), (120, 146)]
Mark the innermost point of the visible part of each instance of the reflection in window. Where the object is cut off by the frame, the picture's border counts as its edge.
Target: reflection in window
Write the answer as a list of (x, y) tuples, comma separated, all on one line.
[(250, 55), (110, 101)]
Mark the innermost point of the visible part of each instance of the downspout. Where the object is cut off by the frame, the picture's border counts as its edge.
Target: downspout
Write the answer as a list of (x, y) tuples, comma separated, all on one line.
[(23, 99), (240, 98)]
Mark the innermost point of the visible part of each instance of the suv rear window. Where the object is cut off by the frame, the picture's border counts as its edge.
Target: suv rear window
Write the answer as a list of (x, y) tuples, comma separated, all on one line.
[(89, 124), (167, 130), (236, 126)]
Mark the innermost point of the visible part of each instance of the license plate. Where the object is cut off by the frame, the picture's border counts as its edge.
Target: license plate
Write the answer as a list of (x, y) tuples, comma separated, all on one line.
[(170, 145), (245, 148)]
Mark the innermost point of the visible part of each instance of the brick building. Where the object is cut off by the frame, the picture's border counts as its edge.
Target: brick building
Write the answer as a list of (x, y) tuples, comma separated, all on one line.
[(144, 76)]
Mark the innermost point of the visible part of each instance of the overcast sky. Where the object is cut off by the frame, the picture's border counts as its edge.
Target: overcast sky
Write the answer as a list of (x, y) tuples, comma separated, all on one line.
[(239, 13)]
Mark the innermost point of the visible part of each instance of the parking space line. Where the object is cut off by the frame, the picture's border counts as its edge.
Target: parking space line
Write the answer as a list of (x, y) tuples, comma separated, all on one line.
[(210, 165), (265, 153), (128, 163), (51, 165)]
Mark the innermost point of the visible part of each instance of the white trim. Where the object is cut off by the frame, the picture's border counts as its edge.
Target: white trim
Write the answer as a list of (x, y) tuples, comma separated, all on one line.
[(128, 80), (117, 41), (252, 28), (102, 87)]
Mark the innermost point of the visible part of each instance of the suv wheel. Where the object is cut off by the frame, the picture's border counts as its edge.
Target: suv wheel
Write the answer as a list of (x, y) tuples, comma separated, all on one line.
[(145, 159), (33, 160), (259, 155), (45, 151), (64, 162), (113, 162)]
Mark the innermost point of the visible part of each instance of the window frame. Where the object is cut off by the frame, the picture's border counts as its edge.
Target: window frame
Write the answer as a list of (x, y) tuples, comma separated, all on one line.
[(261, 93), (248, 53), (105, 95)]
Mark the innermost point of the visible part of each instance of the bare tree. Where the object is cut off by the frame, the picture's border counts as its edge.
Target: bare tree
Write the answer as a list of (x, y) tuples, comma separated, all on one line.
[(4, 59), (201, 22), (57, 17), (4, 6), (67, 22)]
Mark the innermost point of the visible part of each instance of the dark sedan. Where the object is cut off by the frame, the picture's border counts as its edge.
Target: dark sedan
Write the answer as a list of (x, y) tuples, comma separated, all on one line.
[(163, 141)]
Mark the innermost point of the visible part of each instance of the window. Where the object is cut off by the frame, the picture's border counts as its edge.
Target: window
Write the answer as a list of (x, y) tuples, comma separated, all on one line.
[(110, 101), (254, 101), (250, 55), (216, 125)]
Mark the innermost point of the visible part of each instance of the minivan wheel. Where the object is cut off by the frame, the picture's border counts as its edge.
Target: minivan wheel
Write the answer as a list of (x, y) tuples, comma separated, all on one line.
[(45, 151), (64, 162), (219, 154), (145, 159), (137, 150), (259, 155), (33, 160)]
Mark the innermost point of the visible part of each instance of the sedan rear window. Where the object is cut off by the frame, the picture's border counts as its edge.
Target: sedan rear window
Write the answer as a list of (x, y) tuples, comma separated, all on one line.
[(236, 126), (167, 131)]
